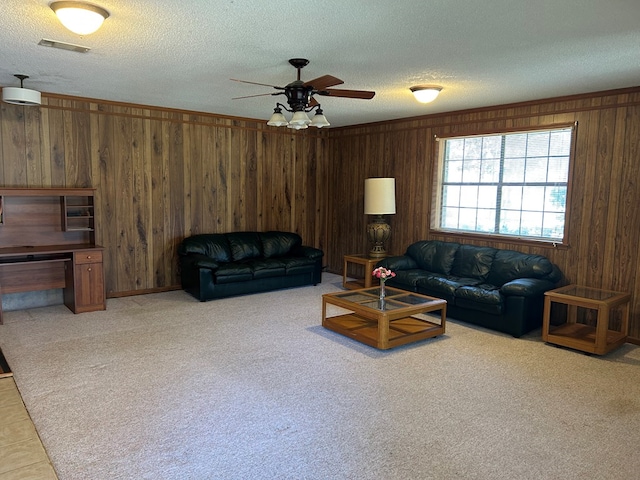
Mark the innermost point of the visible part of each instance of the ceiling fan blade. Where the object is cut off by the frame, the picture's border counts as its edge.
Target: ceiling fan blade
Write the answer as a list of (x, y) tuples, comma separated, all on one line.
[(313, 102), (364, 94), (258, 95), (323, 82), (256, 83)]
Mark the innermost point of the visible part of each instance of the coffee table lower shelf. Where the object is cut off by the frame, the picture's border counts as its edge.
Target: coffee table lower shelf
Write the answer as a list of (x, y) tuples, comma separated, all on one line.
[(401, 331)]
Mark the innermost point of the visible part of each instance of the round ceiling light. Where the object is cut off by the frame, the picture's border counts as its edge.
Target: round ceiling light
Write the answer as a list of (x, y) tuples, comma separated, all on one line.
[(79, 17), (426, 93)]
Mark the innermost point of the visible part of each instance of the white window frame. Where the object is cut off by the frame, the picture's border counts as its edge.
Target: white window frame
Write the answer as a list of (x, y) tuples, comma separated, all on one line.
[(441, 182)]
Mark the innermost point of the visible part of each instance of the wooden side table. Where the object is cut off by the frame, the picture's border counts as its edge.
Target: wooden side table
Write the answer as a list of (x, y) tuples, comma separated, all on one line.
[(600, 339), (367, 262)]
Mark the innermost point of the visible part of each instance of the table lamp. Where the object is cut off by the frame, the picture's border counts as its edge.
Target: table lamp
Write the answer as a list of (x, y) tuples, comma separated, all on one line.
[(379, 200)]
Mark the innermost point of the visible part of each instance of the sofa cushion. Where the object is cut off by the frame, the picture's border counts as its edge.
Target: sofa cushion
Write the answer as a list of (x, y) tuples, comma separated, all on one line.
[(212, 245), (234, 272), (266, 268), (483, 298), (445, 287), (407, 279), (244, 245), (483, 293), (295, 265), (279, 244), (434, 256), (508, 265), (472, 261)]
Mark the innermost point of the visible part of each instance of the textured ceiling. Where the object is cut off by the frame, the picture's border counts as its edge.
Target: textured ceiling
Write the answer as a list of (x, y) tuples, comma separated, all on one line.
[(183, 53)]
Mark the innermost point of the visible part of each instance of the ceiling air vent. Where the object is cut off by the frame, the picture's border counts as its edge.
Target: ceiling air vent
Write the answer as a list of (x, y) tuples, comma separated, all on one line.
[(63, 45)]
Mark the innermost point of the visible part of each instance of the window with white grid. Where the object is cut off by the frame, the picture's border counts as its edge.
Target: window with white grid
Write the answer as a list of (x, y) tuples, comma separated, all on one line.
[(512, 184)]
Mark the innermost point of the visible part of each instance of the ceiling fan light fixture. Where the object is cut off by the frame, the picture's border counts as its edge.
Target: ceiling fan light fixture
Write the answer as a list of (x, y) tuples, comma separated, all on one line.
[(300, 118), (426, 93), (277, 119), (319, 120), (79, 17)]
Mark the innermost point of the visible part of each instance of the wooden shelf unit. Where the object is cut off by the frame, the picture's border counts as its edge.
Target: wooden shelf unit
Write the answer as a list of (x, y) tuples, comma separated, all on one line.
[(77, 213), (47, 240)]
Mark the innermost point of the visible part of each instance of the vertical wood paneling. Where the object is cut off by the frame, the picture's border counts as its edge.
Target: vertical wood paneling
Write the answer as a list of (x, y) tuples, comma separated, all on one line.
[(139, 197), (159, 187), (33, 153), (209, 180), (176, 231), (13, 146), (106, 223), (55, 128)]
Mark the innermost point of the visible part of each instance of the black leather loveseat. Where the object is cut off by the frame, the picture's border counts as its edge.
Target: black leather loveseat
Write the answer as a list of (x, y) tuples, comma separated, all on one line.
[(224, 264), (498, 289)]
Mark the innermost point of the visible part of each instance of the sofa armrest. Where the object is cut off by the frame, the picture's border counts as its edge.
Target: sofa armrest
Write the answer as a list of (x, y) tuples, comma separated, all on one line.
[(526, 287), (400, 262), (197, 260), (309, 252)]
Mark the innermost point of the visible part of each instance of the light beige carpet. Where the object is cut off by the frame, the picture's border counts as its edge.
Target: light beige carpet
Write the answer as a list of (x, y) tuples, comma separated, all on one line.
[(164, 387)]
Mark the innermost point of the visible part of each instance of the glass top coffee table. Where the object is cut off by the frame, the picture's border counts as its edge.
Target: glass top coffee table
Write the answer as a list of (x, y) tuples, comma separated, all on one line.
[(396, 321)]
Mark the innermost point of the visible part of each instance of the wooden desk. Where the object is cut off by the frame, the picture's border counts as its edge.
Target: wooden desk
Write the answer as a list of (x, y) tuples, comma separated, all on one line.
[(47, 240), (76, 269)]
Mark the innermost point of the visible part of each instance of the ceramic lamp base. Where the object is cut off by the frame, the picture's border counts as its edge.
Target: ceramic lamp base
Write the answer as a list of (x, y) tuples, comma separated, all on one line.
[(378, 232)]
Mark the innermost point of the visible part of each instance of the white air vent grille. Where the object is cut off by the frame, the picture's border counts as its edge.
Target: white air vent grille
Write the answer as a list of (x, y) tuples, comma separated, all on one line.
[(63, 45)]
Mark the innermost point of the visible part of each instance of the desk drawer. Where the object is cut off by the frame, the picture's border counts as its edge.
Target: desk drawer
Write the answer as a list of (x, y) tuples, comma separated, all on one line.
[(88, 256)]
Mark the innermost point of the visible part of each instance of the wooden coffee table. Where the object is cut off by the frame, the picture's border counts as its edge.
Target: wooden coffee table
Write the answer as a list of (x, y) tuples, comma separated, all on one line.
[(396, 322)]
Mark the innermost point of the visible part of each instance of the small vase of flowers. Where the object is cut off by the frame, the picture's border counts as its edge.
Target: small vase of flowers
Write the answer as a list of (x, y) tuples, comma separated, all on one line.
[(383, 274)]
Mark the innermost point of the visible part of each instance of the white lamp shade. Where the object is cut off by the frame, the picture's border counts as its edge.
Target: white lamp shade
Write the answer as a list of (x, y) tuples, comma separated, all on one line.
[(300, 118), (21, 96), (379, 196), (79, 17), (319, 121), (277, 120), (426, 93)]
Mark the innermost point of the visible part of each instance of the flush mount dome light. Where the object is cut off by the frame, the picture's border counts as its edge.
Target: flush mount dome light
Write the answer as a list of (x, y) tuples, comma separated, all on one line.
[(79, 17), (426, 93), (21, 95)]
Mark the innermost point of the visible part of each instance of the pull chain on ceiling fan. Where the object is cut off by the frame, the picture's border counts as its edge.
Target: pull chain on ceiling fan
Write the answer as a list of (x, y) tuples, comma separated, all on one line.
[(300, 98)]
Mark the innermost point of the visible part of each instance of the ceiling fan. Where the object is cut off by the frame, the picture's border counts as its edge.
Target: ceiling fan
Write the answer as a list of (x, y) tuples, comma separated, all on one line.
[(300, 98)]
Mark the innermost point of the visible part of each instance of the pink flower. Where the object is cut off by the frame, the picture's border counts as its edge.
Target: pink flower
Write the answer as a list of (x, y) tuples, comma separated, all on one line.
[(383, 274)]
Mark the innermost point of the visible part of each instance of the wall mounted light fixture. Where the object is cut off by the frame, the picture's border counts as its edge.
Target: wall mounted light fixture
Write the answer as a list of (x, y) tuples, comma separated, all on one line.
[(426, 93), (79, 17)]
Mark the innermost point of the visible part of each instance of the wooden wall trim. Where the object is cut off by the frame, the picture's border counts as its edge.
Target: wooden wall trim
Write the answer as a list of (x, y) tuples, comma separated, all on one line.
[(92, 106)]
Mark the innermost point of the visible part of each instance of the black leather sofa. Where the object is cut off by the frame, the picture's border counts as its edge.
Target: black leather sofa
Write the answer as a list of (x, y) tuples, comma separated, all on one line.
[(224, 264), (498, 289)]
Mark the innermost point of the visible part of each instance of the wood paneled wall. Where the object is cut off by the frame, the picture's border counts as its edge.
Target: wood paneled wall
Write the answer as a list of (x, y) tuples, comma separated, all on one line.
[(604, 223), (163, 174)]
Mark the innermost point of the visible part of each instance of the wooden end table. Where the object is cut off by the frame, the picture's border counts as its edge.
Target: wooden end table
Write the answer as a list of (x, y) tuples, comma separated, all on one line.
[(600, 339), (367, 262), (385, 325)]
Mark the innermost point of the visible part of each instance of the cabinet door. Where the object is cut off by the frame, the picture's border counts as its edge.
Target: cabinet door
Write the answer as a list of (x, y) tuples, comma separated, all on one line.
[(89, 287)]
